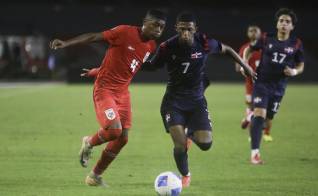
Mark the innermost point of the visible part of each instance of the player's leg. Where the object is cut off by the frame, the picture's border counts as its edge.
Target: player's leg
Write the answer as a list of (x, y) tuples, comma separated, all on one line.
[(180, 154), (267, 137), (114, 147), (200, 122), (109, 153), (248, 101), (109, 120), (273, 107), (260, 102), (203, 139)]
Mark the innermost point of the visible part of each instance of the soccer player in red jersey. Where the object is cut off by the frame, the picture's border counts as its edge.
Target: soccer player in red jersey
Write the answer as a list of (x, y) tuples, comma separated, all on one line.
[(253, 34), (129, 47)]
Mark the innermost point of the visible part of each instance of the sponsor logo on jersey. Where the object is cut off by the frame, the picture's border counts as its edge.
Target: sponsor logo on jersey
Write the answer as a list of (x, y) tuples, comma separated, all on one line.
[(196, 55), (257, 99), (289, 50), (110, 114)]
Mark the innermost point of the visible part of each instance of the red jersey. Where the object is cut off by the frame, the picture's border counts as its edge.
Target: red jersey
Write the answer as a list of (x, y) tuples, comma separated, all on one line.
[(126, 52), (253, 63), (255, 58)]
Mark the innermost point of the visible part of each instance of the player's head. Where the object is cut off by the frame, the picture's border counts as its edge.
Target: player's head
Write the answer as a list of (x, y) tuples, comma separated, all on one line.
[(154, 24), (186, 26), (253, 32), (286, 20)]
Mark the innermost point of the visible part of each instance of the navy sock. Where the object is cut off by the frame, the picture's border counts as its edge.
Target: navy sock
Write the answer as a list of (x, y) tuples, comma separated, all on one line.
[(256, 131), (181, 158)]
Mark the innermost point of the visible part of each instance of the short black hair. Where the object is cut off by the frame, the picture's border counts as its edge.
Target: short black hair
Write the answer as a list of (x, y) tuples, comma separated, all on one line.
[(186, 17), (154, 13), (286, 11)]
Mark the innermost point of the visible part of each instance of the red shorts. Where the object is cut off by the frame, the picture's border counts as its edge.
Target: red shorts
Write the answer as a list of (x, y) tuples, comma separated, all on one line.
[(111, 106), (248, 89)]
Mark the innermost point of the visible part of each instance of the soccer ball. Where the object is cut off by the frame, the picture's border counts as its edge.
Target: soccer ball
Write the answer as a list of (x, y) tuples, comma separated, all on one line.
[(168, 183)]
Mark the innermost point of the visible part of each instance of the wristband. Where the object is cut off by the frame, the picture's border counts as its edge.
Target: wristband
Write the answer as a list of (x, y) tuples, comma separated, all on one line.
[(294, 72)]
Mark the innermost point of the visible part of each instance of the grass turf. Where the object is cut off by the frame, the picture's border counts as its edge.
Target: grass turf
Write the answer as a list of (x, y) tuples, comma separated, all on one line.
[(41, 129)]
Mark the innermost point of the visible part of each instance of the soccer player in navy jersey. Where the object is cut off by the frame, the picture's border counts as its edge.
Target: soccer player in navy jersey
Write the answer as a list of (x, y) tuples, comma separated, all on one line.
[(184, 105), (282, 58)]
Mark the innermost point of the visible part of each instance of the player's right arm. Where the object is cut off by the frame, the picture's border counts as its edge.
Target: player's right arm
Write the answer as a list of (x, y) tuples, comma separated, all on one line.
[(81, 39), (114, 36)]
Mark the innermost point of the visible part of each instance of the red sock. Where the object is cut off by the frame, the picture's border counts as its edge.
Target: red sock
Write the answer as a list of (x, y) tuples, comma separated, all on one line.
[(267, 130), (109, 154), (104, 135)]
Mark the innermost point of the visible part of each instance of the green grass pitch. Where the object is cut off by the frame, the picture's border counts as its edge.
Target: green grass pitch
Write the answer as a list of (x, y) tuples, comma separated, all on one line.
[(41, 129)]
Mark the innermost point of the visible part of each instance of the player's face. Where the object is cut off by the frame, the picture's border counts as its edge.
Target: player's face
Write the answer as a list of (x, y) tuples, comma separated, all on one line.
[(284, 24), (253, 33), (186, 31), (153, 28)]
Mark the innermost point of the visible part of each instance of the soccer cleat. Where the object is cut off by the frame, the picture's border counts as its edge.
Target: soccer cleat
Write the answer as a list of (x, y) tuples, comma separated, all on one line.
[(94, 180), (267, 138), (256, 159), (85, 152), (186, 180)]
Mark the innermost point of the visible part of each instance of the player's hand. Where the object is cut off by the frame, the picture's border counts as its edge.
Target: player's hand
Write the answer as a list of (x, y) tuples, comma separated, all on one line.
[(248, 71), (57, 44), (290, 71), (85, 72)]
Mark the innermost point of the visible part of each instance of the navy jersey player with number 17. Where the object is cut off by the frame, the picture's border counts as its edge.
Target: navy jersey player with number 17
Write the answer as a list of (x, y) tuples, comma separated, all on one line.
[(282, 57), (184, 105)]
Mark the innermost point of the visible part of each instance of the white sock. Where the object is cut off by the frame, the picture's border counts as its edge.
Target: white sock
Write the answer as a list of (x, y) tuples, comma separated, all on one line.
[(254, 152)]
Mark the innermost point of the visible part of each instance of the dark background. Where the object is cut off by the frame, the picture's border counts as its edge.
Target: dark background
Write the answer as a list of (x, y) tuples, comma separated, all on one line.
[(225, 21)]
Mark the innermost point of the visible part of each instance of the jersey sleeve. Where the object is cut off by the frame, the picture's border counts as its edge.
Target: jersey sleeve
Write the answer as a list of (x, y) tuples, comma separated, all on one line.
[(114, 36), (210, 45), (299, 56), (161, 55), (215, 46), (241, 51)]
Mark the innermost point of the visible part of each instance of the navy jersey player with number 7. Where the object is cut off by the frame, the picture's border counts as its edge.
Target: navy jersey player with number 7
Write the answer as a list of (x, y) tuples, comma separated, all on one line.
[(282, 57), (184, 105)]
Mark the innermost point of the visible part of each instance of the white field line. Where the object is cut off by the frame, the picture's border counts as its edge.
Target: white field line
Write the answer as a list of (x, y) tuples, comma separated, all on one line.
[(24, 88)]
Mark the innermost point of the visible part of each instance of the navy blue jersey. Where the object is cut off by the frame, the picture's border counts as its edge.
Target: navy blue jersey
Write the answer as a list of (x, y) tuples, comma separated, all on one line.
[(186, 65), (276, 55)]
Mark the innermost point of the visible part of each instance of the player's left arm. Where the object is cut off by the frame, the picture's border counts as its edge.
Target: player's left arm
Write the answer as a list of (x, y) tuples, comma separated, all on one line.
[(247, 69), (299, 68), (299, 60)]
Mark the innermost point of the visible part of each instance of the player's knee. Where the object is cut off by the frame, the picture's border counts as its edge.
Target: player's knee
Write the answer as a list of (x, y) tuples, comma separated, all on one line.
[(205, 146), (113, 133), (123, 141)]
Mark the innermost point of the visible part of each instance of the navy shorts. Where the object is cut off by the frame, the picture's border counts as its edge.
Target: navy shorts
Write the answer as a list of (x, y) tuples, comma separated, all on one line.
[(194, 118), (267, 97)]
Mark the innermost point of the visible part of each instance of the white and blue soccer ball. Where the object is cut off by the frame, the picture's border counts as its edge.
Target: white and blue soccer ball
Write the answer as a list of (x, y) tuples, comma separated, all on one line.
[(168, 183)]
